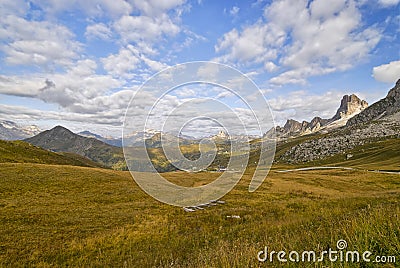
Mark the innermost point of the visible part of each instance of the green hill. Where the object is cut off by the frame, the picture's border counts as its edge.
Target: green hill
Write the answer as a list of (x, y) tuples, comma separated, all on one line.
[(380, 155), (23, 152)]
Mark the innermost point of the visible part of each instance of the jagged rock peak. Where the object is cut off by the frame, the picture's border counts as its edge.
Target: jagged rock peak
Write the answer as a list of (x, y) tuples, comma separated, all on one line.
[(222, 134), (349, 105), (292, 126)]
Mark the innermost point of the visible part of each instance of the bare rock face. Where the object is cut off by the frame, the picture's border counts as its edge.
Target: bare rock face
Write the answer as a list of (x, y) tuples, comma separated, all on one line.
[(317, 123), (350, 105), (292, 126), (385, 107)]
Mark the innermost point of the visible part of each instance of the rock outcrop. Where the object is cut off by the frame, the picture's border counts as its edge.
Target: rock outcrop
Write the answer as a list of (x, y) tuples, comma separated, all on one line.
[(385, 107), (349, 106)]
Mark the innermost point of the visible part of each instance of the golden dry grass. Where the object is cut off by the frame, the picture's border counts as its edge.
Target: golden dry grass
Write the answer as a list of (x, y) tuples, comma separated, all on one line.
[(87, 217)]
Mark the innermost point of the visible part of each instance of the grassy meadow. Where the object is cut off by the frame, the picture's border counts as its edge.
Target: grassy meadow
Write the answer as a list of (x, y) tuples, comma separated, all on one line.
[(63, 215)]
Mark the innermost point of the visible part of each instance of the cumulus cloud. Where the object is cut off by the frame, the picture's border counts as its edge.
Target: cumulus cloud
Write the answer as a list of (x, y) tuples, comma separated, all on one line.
[(388, 3), (94, 8), (20, 86), (129, 63), (301, 105), (13, 7), (122, 63), (156, 7), (255, 43), (306, 40), (75, 90), (145, 29), (98, 30), (388, 73), (37, 42)]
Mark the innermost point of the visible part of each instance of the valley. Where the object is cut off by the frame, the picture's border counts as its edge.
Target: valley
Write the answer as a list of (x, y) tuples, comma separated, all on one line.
[(55, 215), (67, 204)]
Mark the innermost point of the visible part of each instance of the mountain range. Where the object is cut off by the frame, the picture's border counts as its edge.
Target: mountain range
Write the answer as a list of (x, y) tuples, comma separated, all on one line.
[(12, 131), (354, 124), (379, 122), (350, 106)]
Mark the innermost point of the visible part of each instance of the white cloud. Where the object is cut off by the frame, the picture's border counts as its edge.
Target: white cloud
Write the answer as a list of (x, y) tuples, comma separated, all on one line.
[(121, 64), (75, 90), (208, 71), (388, 73), (306, 40), (388, 3), (145, 30), (99, 30), (18, 113), (21, 86), (154, 65), (13, 7), (270, 66), (156, 7), (93, 8), (37, 42), (301, 105), (129, 62), (257, 43)]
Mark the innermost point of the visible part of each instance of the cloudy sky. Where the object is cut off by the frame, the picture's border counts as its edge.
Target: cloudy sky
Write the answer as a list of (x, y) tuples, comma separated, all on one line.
[(77, 63)]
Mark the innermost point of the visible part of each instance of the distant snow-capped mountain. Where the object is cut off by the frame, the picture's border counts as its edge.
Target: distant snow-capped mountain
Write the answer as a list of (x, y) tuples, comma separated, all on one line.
[(12, 131)]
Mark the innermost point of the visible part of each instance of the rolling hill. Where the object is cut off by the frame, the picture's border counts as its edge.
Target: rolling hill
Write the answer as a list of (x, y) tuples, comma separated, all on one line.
[(23, 152)]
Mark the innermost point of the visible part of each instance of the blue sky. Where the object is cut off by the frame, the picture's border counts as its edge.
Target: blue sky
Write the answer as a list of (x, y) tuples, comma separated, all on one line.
[(77, 63)]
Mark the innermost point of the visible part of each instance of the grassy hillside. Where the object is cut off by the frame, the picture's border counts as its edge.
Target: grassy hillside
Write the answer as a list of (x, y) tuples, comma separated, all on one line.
[(23, 152), (87, 217), (380, 155)]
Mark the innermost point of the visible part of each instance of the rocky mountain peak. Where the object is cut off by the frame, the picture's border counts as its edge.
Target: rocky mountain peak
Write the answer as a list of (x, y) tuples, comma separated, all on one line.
[(349, 106), (222, 135), (292, 126), (384, 107)]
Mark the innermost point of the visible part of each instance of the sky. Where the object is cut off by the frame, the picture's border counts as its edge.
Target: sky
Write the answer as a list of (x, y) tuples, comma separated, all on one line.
[(79, 63)]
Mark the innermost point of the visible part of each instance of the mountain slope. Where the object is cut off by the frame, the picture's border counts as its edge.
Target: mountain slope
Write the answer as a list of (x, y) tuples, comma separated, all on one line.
[(23, 152), (385, 107), (60, 139)]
